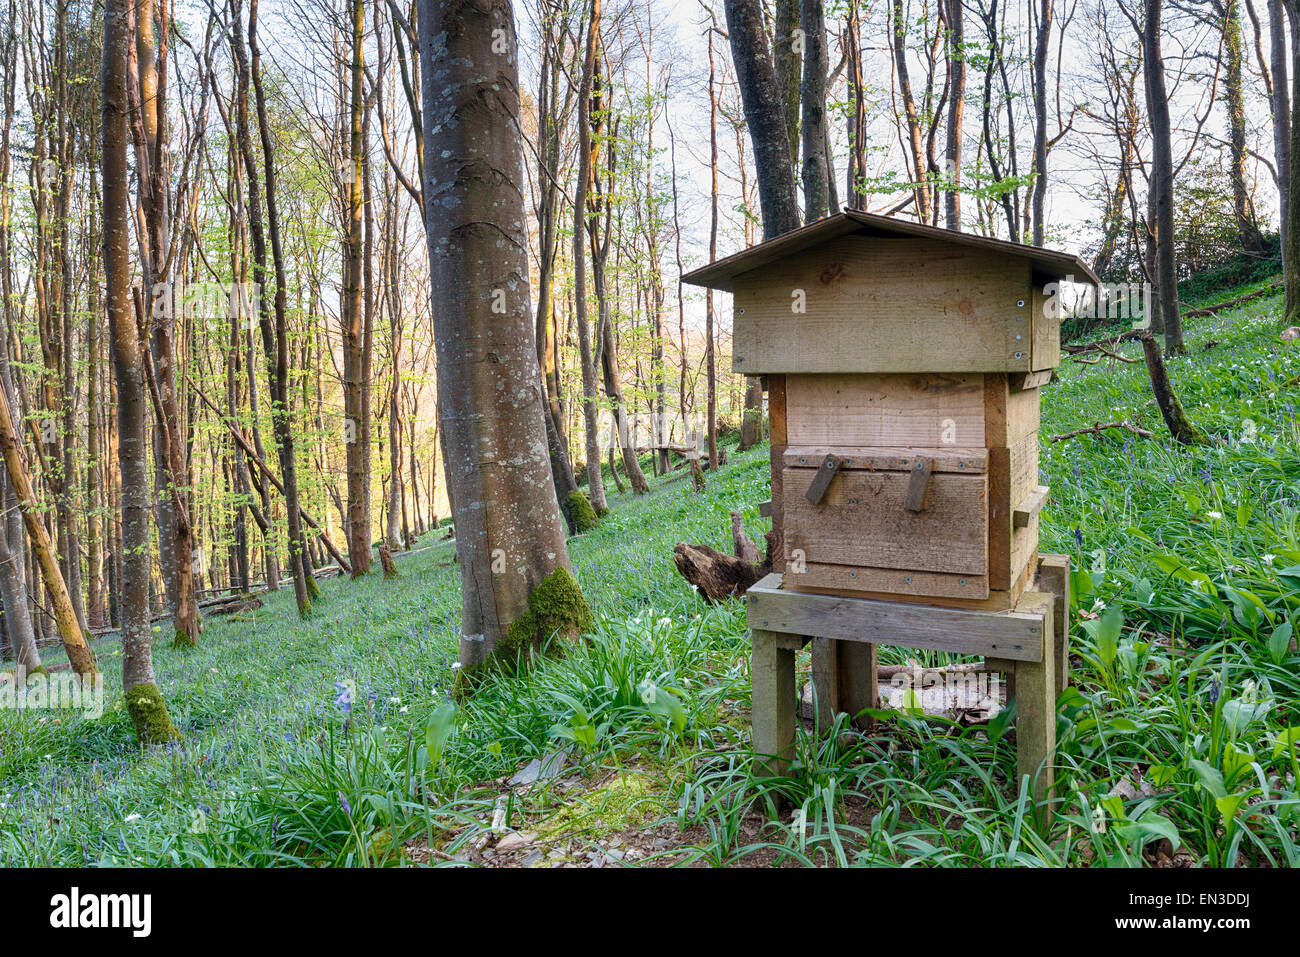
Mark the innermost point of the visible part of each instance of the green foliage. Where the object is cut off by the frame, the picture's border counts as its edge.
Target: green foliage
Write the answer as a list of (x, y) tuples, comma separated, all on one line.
[(1180, 725)]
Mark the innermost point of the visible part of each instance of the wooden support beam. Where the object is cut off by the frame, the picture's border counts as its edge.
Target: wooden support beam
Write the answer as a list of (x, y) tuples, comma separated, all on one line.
[(845, 679), (1054, 577), (1012, 635), (773, 712), (1030, 506), (1036, 705)]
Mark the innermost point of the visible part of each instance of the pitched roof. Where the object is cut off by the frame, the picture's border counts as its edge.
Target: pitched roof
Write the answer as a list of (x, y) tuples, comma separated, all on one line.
[(1048, 264)]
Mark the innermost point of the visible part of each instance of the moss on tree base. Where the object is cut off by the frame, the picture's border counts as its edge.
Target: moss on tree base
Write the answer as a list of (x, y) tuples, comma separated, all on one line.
[(153, 725), (183, 639), (313, 590), (584, 516), (556, 605)]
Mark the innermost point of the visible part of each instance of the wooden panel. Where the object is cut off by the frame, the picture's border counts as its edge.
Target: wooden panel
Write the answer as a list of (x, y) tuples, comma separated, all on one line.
[(1012, 474), (1015, 636), (1047, 333), (934, 411), (962, 461), (882, 305), (1054, 577), (886, 582), (862, 522), (996, 600)]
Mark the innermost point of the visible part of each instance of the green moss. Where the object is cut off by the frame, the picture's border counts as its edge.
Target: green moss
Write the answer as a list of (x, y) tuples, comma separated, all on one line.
[(555, 605), (313, 589), (38, 670), (584, 516), (183, 639), (153, 725), (602, 511)]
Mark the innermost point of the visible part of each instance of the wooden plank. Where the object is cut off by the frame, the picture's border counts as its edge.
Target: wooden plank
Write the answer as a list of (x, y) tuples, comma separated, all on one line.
[(772, 711), (1024, 468), (1036, 704), (1046, 333), (776, 423), (862, 521), (887, 583), (931, 411), (1013, 635), (888, 305), (918, 482), (963, 461), (1030, 506), (834, 580)]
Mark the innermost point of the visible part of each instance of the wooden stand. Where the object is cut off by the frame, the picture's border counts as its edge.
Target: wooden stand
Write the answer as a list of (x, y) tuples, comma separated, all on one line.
[(1029, 643)]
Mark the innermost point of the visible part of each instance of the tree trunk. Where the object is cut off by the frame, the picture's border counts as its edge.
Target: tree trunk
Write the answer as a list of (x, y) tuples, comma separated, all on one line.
[(816, 173), (595, 484), (788, 53), (517, 590), (1281, 120), (357, 415), (1243, 208), (144, 702), (1162, 179), (1042, 47), (1180, 426), (956, 107), (764, 106)]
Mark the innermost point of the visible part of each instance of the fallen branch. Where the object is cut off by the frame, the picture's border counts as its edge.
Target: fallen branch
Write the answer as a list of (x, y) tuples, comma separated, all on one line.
[(1249, 297), (1097, 429), (717, 577)]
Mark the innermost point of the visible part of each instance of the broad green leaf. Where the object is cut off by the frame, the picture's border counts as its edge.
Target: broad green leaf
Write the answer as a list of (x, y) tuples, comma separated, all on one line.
[(1286, 740), (1279, 642), (1208, 777), (438, 730), (1150, 825)]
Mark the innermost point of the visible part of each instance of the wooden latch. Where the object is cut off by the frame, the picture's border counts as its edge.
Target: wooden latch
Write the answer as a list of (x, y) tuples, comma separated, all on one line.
[(822, 480), (917, 484)]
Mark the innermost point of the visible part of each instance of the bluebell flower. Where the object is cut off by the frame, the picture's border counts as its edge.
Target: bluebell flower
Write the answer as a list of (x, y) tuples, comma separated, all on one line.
[(1078, 536), (347, 808), (344, 700)]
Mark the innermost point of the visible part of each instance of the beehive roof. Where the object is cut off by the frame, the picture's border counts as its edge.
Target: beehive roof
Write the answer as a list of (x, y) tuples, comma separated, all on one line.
[(1047, 264)]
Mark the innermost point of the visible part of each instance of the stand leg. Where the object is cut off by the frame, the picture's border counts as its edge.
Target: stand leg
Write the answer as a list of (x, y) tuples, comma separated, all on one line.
[(844, 678), (773, 710), (1036, 704), (1054, 573)]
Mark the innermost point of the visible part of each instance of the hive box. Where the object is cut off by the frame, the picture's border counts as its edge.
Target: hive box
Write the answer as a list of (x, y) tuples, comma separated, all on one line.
[(903, 365)]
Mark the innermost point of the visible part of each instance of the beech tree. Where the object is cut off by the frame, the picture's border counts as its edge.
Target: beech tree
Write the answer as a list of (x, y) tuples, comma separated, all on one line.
[(144, 702), (517, 587)]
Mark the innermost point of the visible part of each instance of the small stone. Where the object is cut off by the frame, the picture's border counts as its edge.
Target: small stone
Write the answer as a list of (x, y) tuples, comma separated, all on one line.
[(1291, 334), (532, 859), (515, 841)]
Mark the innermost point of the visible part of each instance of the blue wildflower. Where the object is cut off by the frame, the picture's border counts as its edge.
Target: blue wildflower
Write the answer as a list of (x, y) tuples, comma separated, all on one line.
[(1078, 536), (344, 700), (347, 808)]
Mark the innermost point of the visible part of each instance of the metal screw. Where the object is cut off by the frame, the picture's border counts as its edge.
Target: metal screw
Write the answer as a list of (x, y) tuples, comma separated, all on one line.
[(853, 501), (1020, 304), (802, 460), (853, 574), (1020, 355), (961, 581), (918, 465), (908, 579), (961, 465)]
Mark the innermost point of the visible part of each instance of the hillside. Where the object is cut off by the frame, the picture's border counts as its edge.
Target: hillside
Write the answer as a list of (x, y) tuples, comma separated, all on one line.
[(1177, 745)]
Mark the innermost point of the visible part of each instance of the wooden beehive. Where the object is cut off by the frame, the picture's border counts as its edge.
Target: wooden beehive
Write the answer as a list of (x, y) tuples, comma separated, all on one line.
[(902, 365)]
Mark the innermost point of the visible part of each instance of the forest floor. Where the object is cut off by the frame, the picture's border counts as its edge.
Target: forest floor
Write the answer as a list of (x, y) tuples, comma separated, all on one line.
[(1177, 742)]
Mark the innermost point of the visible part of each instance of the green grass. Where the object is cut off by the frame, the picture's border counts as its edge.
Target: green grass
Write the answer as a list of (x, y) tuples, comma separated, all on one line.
[(1188, 559)]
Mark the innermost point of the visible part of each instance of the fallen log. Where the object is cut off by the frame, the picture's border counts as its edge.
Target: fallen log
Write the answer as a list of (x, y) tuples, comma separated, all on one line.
[(1249, 297), (717, 577)]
